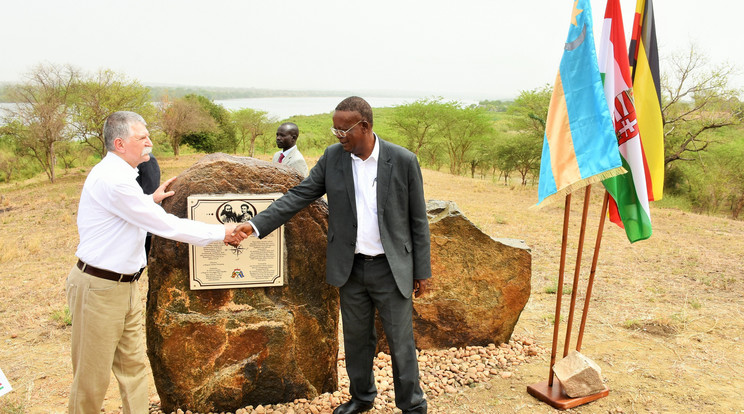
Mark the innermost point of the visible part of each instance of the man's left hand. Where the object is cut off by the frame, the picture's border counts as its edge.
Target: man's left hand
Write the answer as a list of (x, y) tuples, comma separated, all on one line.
[(420, 287), (160, 194)]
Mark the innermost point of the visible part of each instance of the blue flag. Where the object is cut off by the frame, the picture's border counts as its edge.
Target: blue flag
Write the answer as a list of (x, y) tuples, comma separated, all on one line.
[(579, 147)]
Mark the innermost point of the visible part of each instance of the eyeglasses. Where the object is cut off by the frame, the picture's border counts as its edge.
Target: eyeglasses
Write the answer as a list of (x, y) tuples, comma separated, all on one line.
[(341, 133)]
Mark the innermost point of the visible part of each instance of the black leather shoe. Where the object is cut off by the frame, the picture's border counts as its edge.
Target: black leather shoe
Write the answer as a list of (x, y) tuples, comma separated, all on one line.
[(353, 407)]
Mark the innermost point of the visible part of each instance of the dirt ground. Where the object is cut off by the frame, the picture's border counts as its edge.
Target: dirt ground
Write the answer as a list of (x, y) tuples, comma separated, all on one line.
[(665, 322)]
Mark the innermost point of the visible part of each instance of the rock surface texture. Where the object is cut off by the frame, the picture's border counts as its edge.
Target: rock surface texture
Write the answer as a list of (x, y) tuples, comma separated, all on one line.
[(479, 285), (579, 375), (218, 350)]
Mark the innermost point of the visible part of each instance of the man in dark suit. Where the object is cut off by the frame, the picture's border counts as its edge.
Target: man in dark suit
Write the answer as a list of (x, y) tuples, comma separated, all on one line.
[(378, 250)]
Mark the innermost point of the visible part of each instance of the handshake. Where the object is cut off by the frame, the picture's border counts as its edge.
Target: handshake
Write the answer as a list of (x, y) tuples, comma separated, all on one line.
[(236, 233)]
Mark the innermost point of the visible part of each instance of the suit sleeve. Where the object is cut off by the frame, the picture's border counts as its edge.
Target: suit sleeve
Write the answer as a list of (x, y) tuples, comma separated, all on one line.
[(419, 222)]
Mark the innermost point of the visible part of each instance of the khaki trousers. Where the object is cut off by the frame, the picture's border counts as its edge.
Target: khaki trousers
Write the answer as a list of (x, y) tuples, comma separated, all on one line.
[(106, 336)]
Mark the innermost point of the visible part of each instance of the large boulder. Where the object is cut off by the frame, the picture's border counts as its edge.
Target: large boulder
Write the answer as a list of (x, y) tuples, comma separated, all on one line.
[(479, 285), (218, 350)]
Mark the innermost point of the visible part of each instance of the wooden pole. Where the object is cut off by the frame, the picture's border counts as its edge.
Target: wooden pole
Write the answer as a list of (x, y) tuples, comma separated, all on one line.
[(557, 322), (546, 391), (577, 270), (593, 270)]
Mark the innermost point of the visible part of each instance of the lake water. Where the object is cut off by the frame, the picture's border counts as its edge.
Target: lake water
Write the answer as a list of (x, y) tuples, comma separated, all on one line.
[(285, 107)]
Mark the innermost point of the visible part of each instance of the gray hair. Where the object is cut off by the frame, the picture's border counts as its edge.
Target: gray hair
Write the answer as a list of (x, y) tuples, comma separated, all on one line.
[(357, 104), (119, 125)]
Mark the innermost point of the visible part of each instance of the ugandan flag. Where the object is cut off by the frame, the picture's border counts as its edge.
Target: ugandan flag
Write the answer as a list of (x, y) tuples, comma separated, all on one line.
[(644, 63), (579, 146), (628, 205)]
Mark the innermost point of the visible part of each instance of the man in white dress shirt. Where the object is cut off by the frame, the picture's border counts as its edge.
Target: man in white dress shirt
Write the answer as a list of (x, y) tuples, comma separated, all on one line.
[(102, 288), (286, 139)]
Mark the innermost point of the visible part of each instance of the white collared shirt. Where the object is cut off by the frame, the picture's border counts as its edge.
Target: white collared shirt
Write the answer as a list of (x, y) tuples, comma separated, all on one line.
[(287, 151), (114, 217), (365, 193)]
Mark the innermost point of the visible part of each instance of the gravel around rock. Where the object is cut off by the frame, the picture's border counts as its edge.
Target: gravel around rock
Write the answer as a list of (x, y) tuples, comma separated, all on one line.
[(441, 372)]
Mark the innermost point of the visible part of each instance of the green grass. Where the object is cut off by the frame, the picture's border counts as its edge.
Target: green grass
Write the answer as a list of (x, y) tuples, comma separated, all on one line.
[(552, 289), (631, 324), (673, 202), (695, 304), (11, 406), (62, 317)]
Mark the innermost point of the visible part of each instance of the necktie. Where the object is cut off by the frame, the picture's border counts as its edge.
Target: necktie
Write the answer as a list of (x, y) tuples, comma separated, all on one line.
[(281, 157)]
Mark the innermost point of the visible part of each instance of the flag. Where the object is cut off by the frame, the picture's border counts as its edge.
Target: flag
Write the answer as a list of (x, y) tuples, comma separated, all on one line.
[(627, 208), (579, 145), (644, 61)]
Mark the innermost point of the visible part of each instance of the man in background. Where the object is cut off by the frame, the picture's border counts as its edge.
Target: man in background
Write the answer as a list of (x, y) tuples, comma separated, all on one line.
[(149, 180), (103, 294), (286, 139)]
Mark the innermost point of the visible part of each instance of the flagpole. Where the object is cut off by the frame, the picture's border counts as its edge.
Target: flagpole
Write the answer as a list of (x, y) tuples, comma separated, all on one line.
[(547, 391), (577, 270), (580, 147), (593, 270), (559, 292)]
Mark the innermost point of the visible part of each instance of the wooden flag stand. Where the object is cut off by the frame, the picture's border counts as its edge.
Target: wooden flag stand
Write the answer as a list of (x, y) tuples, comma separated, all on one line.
[(547, 391)]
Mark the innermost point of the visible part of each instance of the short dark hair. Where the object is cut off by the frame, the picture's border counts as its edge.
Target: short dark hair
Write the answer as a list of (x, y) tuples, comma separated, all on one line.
[(357, 104), (291, 126)]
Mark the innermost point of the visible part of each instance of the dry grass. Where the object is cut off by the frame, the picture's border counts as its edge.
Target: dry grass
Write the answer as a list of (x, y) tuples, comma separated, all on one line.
[(665, 324)]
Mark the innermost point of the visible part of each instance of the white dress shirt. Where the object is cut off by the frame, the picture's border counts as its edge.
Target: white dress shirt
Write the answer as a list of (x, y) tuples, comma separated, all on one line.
[(365, 193), (287, 151), (114, 217)]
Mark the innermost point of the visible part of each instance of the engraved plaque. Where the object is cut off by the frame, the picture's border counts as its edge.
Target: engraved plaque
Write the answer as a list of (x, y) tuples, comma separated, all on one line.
[(255, 263)]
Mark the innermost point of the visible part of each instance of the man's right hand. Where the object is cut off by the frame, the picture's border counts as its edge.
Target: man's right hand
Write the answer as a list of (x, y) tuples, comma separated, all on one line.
[(244, 228), (234, 234)]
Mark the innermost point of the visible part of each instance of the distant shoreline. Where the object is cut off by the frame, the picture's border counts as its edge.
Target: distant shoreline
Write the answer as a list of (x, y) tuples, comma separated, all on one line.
[(157, 91)]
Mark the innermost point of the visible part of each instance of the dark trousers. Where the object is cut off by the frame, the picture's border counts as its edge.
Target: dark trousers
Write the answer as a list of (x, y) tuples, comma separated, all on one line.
[(371, 286)]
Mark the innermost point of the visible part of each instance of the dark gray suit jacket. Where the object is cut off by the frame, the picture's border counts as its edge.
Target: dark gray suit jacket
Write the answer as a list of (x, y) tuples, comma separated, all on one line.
[(401, 213)]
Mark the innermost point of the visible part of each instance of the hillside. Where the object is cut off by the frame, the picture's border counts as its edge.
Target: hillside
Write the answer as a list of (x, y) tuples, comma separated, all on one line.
[(666, 321)]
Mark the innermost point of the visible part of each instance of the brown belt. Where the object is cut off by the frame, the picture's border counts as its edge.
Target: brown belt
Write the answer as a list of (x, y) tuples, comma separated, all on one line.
[(368, 257), (105, 274)]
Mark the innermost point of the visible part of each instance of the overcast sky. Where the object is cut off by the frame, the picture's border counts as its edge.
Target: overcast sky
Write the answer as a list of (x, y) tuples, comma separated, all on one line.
[(468, 48)]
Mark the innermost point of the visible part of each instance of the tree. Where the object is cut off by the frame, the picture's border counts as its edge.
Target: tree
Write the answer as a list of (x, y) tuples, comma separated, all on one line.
[(716, 182), (181, 117), (250, 124), (100, 95), (416, 121), (10, 162), (465, 131), (530, 111), (40, 118), (518, 152), (696, 100), (521, 150), (222, 138), (431, 127)]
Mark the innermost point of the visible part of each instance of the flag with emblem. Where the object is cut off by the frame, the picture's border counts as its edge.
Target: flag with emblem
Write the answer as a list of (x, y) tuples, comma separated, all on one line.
[(579, 146), (629, 202), (644, 63)]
